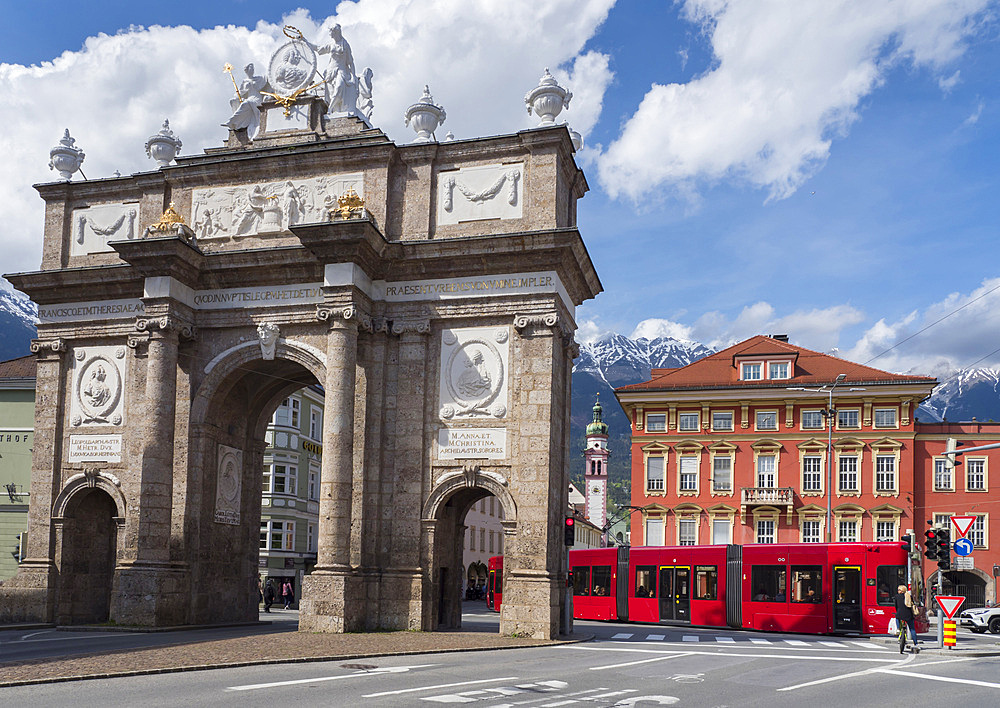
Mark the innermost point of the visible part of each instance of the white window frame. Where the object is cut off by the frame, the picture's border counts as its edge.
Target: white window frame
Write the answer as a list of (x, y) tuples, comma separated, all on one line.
[(841, 458), (816, 458), (943, 471), (687, 473), (316, 423), (766, 531), (981, 463), (726, 428), (979, 531), (662, 486), (684, 422), (715, 470), (845, 524), (756, 420), (822, 420), (659, 427), (883, 462), (856, 415), (310, 538), (687, 531), (805, 530), (313, 488), (288, 475), (752, 367), (883, 425), (728, 533), (773, 458), (654, 522), (281, 529), (771, 370), (888, 525)]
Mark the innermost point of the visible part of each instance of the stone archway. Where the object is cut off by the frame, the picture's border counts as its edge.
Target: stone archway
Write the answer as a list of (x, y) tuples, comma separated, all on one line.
[(87, 532)]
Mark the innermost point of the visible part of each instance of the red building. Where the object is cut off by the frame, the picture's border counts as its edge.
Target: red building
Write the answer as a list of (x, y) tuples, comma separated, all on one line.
[(767, 442)]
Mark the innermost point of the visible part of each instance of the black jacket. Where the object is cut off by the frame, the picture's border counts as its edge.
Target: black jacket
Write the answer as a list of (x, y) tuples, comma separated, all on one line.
[(903, 612), (269, 593)]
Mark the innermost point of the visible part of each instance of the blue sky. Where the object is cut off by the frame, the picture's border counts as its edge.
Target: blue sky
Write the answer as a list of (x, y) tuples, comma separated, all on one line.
[(828, 170)]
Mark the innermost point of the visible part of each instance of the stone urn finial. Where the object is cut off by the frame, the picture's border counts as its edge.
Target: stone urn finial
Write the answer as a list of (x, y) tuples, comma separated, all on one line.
[(547, 99), (425, 117), (164, 146), (66, 158)]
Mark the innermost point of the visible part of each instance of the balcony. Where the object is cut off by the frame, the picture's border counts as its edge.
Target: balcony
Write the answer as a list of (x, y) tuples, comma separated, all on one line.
[(770, 496)]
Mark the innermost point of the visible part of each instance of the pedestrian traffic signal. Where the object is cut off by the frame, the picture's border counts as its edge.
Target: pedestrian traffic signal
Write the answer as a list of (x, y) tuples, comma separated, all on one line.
[(907, 540), (569, 531)]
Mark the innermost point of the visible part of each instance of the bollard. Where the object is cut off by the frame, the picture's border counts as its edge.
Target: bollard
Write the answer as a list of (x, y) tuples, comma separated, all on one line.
[(950, 638)]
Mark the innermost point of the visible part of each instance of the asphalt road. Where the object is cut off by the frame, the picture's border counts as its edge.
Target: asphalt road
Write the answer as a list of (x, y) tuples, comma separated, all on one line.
[(624, 665)]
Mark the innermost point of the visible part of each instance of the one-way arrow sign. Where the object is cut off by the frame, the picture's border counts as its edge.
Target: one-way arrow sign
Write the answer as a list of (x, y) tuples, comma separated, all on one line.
[(950, 604), (962, 524)]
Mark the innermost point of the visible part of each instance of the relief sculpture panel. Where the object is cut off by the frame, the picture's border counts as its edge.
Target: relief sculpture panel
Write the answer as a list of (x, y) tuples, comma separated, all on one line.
[(244, 210), (474, 373), (98, 386), (95, 226), (488, 192), (229, 486)]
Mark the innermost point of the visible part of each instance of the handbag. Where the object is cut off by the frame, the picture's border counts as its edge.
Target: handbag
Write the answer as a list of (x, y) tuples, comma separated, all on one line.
[(893, 626)]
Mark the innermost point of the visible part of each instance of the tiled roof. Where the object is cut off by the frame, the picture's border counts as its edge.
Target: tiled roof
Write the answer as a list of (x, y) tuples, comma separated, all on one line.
[(811, 369), (20, 368)]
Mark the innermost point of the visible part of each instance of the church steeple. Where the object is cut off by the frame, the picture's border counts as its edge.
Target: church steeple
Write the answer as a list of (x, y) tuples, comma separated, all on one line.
[(597, 426), (595, 474)]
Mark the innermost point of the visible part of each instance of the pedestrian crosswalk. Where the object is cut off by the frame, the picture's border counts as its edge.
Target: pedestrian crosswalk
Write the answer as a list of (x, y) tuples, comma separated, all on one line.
[(726, 639)]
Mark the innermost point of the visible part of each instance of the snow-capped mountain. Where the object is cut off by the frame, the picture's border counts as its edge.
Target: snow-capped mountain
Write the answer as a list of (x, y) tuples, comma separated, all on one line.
[(18, 316), (964, 395)]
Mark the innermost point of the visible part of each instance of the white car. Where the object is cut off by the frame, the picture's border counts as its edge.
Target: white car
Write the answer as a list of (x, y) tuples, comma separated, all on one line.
[(981, 619)]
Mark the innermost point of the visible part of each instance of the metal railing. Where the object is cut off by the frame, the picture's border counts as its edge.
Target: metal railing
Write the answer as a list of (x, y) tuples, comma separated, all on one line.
[(767, 495)]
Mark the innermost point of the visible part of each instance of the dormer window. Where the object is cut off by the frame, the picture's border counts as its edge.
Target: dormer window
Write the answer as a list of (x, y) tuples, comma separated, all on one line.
[(752, 372), (778, 370)]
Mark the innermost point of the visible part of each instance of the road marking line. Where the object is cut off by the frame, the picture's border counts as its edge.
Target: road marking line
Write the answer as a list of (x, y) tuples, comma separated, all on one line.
[(760, 641), (725, 640), (946, 679), (376, 672), (623, 635), (86, 636), (740, 645), (35, 634), (640, 661), (570, 702), (797, 642), (717, 652), (835, 644), (868, 645), (853, 674), (437, 687), (612, 694), (656, 637), (691, 638)]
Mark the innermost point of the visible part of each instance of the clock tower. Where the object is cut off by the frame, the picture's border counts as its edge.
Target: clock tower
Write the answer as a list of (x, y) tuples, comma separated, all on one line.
[(595, 474)]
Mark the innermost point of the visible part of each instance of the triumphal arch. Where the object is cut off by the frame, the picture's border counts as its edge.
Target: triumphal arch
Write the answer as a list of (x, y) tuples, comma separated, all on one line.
[(428, 287)]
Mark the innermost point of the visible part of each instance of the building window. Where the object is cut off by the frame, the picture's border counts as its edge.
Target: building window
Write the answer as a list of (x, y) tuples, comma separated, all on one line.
[(656, 422), (722, 474), (654, 532), (316, 424), (810, 531), (720, 531), (751, 372), (977, 532), (812, 420), (885, 530), (686, 529), (311, 538), (765, 470), (812, 470), (491, 542), (767, 420), (765, 531), (722, 420), (689, 474), (942, 521), (847, 473), (885, 417), (848, 418), (313, 485), (885, 473), (282, 479), (472, 538), (943, 480), (482, 540), (778, 370), (847, 531), (288, 413), (654, 474), (277, 535), (975, 475), (688, 421)]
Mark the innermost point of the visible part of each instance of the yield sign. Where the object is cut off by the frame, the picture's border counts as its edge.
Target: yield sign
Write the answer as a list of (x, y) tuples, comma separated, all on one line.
[(950, 604), (962, 524)]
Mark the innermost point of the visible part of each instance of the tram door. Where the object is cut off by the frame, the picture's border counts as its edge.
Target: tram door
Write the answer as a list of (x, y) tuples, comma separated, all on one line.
[(675, 593), (847, 598), (489, 588)]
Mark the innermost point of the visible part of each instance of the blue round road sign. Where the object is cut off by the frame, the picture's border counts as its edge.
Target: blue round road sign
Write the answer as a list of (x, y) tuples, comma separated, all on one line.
[(963, 547)]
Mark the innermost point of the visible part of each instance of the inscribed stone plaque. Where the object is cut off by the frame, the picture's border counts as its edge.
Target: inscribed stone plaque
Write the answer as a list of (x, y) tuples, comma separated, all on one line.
[(95, 448), (229, 486), (473, 380), (472, 443)]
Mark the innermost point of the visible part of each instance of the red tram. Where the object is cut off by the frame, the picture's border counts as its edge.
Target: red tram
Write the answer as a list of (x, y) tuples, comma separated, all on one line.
[(811, 588)]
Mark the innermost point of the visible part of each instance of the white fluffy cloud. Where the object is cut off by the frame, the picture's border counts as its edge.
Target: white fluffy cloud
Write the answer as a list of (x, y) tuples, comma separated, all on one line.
[(478, 58), (787, 78)]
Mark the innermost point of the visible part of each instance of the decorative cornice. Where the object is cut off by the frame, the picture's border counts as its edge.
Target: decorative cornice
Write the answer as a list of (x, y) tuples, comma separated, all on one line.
[(421, 326), (44, 346)]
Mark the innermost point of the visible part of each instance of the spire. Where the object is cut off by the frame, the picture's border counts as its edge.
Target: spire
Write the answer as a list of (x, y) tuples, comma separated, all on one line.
[(597, 426)]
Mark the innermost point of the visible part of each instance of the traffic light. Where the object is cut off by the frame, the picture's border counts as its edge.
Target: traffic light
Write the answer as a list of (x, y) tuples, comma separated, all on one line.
[(944, 549), (907, 541), (950, 458), (931, 544), (569, 531)]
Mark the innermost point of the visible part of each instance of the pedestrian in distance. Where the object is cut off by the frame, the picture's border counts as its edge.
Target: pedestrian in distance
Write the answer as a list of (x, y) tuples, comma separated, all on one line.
[(904, 614), (288, 594), (269, 595)]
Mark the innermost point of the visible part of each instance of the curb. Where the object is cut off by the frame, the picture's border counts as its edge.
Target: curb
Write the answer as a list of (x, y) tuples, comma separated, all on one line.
[(152, 630), (291, 660)]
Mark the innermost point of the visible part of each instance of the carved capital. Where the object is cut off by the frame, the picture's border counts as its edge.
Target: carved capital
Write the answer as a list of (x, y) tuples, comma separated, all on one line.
[(525, 321), (165, 324), (47, 346), (422, 326), (346, 315)]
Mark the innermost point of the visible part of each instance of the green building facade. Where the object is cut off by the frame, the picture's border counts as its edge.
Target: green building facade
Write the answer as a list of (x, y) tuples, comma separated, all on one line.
[(17, 422)]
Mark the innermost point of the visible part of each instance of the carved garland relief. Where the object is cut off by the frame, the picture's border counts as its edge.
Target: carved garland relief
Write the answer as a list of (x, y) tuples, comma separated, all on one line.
[(94, 227), (488, 192), (98, 386), (244, 210)]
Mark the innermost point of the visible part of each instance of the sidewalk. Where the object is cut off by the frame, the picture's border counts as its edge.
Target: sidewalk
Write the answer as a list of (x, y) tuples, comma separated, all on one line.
[(285, 647)]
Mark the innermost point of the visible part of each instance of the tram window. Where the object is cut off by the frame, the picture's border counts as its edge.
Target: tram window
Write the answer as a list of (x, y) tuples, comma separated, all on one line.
[(645, 581), (706, 582), (602, 580), (807, 583), (581, 580), (887, 579), (498, 581), (768, 583)]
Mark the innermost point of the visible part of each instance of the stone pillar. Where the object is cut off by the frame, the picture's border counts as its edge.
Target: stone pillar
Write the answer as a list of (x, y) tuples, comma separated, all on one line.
[(326, 593)]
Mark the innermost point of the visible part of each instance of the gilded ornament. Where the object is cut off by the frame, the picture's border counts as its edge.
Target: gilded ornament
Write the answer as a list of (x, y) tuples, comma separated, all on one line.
[(349, 206)]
